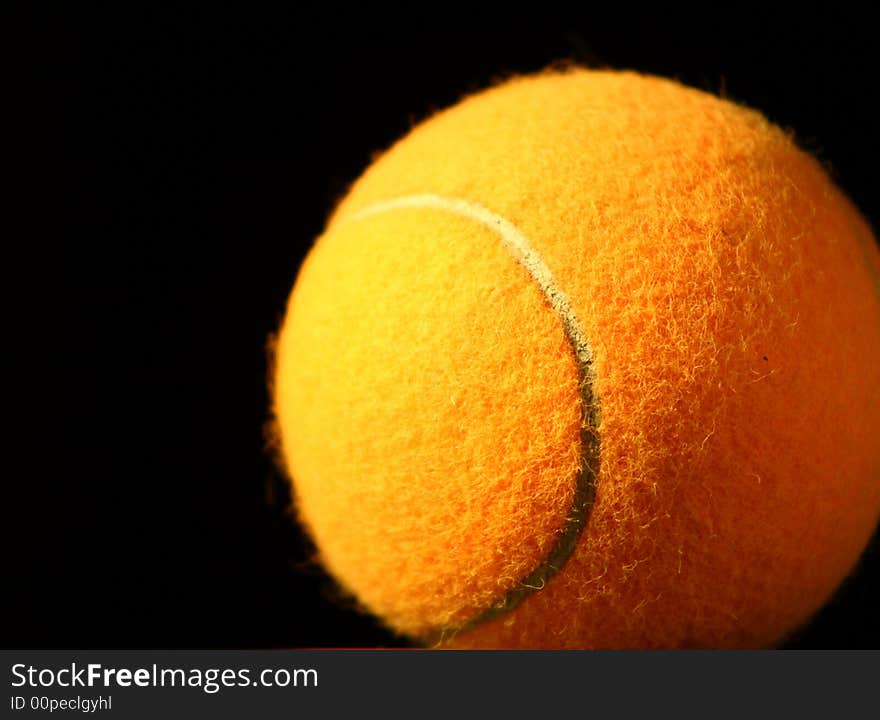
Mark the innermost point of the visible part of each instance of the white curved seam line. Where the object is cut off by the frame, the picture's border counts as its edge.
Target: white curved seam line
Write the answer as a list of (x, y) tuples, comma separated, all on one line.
[(522, 252)]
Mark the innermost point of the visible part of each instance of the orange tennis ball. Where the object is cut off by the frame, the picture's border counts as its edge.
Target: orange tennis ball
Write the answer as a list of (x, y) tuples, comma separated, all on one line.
[(589, 360)]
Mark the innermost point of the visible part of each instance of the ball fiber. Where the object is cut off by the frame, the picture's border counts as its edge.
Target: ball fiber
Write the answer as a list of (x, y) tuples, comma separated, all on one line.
[(589, 360)]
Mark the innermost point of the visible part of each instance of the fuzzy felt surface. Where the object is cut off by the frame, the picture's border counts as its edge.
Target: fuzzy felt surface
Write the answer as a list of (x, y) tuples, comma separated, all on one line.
[(427, 401)]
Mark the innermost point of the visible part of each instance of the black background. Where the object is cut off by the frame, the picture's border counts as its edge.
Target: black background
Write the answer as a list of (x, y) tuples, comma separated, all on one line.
[(203, 152)]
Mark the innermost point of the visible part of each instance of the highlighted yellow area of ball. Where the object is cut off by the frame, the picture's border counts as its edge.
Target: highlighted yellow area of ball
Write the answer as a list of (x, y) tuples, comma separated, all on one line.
[(589, 360)]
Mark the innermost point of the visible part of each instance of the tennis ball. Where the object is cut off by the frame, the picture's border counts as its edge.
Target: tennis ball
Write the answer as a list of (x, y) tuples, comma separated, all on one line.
[(589, 360)]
